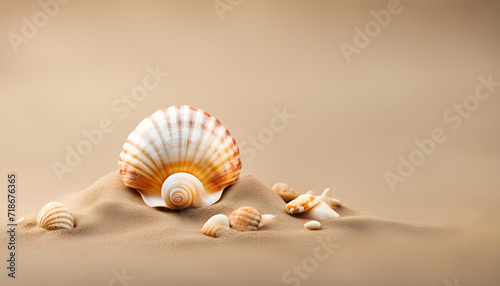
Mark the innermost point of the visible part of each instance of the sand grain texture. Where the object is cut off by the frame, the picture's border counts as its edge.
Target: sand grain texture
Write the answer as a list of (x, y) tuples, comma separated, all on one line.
[(115, 230)]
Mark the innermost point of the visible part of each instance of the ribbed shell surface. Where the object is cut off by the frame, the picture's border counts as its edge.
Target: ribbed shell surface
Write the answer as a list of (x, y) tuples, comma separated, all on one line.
[(179, 139), (55, 215)]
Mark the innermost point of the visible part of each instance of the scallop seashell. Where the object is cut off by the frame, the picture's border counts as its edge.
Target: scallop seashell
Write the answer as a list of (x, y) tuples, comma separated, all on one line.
[(245, 218), (180, 157), (215, 223), (328, 198), (285, 192), (301, 204), (312, 225), (55, 215)]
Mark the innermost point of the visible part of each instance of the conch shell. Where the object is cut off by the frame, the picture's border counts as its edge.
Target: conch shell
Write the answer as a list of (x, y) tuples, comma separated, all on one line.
[(55, 215), (311, 207), (215, 223), (180, 157), (245, 218), (285, 192)]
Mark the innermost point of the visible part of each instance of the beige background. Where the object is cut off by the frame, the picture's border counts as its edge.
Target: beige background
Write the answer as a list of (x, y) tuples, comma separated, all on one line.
[(352, 120)]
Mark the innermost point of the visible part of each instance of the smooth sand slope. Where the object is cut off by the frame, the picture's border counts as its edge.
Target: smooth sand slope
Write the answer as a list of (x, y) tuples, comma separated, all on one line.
[(116, 230)]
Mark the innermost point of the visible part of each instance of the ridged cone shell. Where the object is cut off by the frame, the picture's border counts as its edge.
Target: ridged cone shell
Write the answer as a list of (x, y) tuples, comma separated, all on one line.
[(55, 215), (245, 218), (301, 204), (180, 139), (215, 223)]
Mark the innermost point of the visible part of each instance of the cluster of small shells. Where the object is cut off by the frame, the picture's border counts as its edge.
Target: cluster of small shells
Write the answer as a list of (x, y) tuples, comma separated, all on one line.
[(288, 194), (243, 219), (309, 206), (305, 206)]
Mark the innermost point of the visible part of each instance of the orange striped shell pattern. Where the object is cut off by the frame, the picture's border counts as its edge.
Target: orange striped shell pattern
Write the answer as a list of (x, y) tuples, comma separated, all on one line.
[(184, 141)]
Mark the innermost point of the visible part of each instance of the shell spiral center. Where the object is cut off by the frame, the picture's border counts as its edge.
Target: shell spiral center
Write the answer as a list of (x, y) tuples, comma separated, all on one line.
[(181, 190)]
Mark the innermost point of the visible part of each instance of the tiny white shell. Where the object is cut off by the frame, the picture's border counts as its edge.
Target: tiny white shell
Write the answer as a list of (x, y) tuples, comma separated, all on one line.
[(55, 215), (215, 223), (312, 225), (20, 220), (266, 218)]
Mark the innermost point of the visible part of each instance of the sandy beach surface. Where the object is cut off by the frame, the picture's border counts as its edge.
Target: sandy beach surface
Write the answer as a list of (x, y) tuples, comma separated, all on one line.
[(394, 105), (115, 231)]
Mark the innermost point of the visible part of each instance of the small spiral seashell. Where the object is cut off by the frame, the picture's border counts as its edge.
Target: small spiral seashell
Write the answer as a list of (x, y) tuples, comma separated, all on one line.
[(285, 192), (179, 191), (215, 223), (301, 204), (245, 218), (55, 215), (312, 225)]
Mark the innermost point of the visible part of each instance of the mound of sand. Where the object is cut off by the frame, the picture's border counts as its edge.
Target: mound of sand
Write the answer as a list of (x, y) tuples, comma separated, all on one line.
[(115, 229)]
